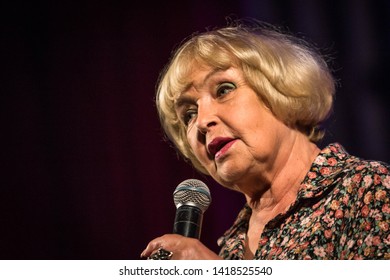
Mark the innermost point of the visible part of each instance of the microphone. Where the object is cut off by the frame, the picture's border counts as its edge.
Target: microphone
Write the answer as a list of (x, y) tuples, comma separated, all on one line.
[(191, 198)]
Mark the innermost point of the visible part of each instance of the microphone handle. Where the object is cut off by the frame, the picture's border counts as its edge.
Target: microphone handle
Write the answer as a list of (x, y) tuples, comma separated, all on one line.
[(188, 221)]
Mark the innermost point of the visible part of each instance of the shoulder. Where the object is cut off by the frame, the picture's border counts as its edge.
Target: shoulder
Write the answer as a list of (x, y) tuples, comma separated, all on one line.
[(335, 166), (366, 174), (365, 191), (363, 186)]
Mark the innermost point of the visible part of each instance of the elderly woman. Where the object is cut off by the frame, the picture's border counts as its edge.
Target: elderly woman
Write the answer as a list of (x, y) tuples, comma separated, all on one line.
[(245, 104)]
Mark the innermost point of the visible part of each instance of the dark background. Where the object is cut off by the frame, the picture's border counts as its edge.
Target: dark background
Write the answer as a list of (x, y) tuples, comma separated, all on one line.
[(85, 172)]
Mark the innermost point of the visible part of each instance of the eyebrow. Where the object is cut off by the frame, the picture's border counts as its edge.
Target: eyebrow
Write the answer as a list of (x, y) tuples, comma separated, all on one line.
[(183, 98)]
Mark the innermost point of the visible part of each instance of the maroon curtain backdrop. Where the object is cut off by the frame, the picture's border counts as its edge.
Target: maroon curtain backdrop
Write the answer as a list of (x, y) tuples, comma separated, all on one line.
[(86, 172)]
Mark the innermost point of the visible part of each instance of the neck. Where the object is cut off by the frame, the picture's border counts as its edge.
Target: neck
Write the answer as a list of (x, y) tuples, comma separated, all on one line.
[(280, 187)]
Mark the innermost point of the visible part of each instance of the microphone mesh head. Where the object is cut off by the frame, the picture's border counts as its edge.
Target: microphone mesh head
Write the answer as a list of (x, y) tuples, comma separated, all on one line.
[(192, 192)]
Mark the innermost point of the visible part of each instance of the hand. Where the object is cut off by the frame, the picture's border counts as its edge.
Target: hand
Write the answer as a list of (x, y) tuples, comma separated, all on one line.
[(183, 248)]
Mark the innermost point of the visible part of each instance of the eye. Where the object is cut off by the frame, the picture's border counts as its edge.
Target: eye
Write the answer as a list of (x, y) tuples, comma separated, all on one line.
[(225, 88), (189, 115)]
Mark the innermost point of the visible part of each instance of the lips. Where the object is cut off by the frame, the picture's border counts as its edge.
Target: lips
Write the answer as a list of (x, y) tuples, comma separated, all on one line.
[(218, 144)]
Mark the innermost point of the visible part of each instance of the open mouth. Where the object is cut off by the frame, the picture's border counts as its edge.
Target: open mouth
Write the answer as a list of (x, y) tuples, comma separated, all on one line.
[(218, 145)]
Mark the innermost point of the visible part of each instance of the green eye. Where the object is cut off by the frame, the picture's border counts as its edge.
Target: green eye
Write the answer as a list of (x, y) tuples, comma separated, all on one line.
[(225, 88)]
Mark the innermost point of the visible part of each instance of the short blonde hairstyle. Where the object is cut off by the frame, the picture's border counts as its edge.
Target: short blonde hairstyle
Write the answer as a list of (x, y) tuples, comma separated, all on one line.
[(291, 78)]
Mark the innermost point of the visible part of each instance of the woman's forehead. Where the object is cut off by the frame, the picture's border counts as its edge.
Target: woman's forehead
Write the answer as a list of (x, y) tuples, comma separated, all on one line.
[(189, 74), (204, 77)]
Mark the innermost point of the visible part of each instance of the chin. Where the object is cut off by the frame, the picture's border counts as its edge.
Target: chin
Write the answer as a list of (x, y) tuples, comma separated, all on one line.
[(229, 178), (225, 183)]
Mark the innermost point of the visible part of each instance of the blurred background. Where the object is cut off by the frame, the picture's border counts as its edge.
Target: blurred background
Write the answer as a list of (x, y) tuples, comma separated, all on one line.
[(85, 170)]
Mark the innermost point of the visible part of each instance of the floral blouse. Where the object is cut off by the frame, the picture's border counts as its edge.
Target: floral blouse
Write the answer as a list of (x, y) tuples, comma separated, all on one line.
[(341, 212)]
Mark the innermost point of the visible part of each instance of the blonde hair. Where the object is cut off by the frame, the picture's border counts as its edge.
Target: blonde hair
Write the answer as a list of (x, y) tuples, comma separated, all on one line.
[(290, 77)]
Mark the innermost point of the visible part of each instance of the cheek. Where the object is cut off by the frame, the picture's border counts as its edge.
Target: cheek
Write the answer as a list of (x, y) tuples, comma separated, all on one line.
[(197, 146), (193, 142), (191, 138)]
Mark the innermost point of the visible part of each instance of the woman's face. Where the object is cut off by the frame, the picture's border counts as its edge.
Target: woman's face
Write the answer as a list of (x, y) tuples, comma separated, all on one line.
[(232, 134)]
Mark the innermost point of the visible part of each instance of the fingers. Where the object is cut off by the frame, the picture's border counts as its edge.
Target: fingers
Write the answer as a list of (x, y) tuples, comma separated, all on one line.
[(178, 247), (154, 245)]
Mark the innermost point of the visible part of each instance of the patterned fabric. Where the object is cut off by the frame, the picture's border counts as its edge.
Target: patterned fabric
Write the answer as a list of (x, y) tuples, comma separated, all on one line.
[(341, 212)]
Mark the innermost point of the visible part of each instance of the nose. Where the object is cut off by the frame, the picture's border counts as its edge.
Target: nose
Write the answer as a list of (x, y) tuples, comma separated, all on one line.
[(207, 117)]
